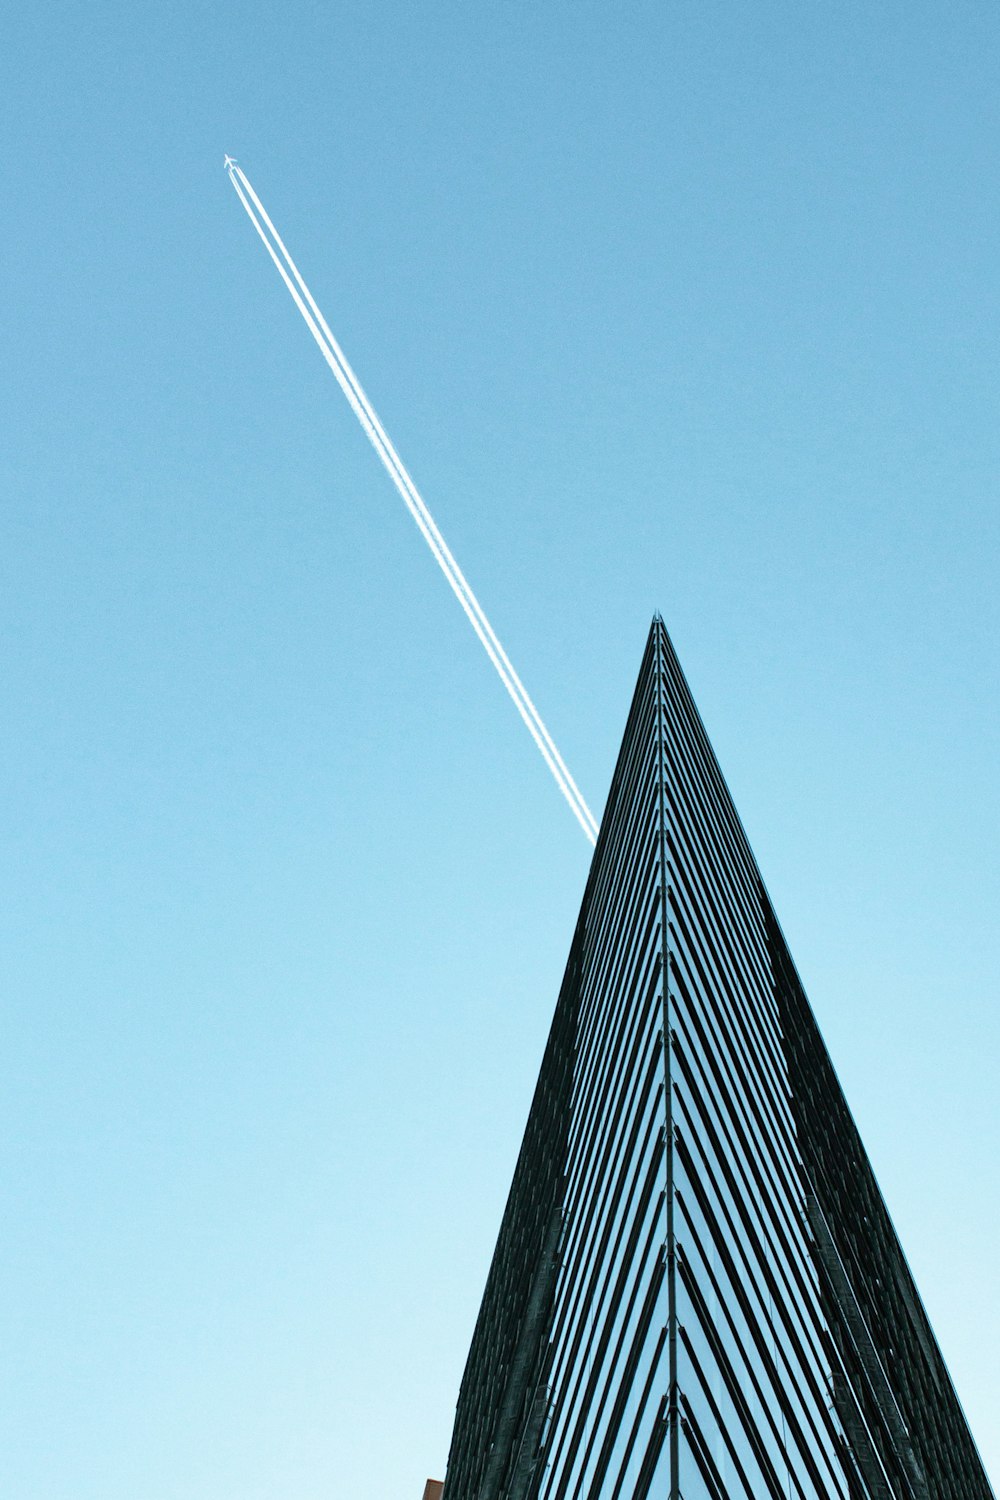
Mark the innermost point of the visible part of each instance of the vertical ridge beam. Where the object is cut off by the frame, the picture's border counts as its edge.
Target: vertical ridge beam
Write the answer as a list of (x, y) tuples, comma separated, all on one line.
[(673, 1394)]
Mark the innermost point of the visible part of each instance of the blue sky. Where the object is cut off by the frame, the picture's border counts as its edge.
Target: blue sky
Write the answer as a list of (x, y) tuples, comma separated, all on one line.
[(689, 307)]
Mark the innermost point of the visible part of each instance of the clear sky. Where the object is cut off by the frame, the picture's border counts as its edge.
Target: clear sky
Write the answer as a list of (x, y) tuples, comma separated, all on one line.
[(687, 306)]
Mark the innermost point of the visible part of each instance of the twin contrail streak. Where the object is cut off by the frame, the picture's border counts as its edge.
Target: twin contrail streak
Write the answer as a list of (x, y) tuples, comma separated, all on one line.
[(379, 439)]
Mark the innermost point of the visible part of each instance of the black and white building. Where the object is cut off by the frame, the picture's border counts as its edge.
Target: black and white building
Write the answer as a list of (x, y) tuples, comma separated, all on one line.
[(697, 1292)]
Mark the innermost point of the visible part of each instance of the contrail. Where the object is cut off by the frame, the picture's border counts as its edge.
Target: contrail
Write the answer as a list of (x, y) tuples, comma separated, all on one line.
[(380, 441)]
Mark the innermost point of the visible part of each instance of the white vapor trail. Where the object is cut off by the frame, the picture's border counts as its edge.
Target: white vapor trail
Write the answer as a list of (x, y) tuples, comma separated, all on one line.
[(393, 464)]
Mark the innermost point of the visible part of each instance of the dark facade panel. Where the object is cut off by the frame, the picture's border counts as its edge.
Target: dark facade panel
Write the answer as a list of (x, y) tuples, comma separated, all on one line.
[(697, 1291)]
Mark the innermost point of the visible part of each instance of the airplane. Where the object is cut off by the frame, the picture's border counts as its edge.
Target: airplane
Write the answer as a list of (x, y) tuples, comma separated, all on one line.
[(229, 163)]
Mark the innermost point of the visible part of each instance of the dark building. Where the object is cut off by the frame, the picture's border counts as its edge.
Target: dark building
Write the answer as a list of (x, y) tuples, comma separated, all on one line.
[(697, 1292)]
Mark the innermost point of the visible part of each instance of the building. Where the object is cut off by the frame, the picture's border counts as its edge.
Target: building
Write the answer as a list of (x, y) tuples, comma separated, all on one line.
[(697, 1292)]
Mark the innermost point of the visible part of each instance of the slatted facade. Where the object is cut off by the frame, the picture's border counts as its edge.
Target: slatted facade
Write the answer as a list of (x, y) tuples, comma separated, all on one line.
[(697, 1293)]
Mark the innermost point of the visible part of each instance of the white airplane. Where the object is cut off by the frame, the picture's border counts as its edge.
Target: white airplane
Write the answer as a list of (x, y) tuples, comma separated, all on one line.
[(229, 163)]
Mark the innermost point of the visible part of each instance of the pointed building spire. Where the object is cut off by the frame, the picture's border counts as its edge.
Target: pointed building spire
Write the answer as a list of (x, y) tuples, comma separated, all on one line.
[(697, 1292)]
